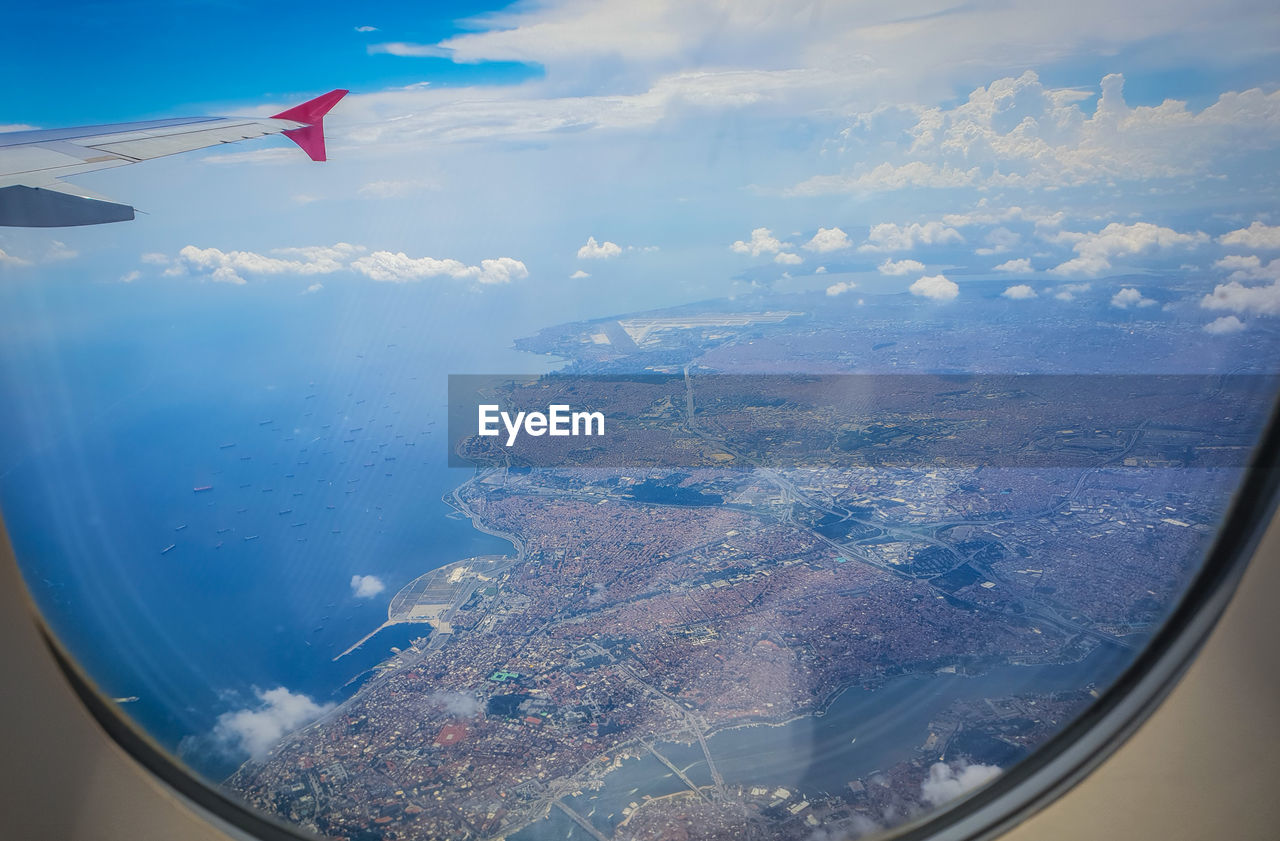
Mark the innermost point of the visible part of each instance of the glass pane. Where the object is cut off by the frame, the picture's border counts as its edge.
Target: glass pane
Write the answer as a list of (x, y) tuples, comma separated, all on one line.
[(881, 396)]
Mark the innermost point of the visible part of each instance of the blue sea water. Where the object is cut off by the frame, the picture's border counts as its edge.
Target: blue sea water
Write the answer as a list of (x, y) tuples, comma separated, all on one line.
[(317, 425)]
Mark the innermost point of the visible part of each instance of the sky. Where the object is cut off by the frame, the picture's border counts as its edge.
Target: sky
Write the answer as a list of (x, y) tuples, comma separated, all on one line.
[(1037, 140), (614, 155)]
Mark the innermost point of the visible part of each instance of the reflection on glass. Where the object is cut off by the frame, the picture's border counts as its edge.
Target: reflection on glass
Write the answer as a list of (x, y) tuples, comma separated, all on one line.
[(926, 381)]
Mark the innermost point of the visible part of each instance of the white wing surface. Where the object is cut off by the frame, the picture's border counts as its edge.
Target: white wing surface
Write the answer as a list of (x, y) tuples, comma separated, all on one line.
[(33, 164)]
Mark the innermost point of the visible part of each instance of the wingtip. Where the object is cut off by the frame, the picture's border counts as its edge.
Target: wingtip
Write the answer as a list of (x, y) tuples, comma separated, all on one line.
[(310, 137), (313, 110)]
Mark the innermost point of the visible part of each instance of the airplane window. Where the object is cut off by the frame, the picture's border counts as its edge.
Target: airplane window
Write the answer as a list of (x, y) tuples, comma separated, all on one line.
[(634, 420)]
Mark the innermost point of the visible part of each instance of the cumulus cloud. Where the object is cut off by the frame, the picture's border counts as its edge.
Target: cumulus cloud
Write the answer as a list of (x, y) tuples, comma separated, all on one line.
[(935, 288), (762, 242), (1249, 267), (254, 730), (232, 266), (1069, 291), (820, 270), (598, 250), (890, 237), (900, 267), (1257, 236), (1020, 292), (827, 240), (1235, 296), (841, 288), (1130, 297), (366, 586), (787, 258), (1095, 251), (1015, 132), (398, 267), (947, 782), (579, 275), (1020, 266), (999, 241), (1224, 325)]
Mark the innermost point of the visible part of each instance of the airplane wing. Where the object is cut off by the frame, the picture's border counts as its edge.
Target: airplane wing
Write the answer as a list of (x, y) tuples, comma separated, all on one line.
[(33, 163)]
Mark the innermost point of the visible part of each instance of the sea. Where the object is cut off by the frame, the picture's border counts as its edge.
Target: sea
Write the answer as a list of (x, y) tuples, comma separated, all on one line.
[(192, 477)]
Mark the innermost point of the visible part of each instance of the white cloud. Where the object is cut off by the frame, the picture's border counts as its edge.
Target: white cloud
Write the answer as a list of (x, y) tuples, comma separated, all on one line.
[(1020, 292), (579, 275), (58, 250), (130, 277), (1016, 133), (256, 730), (762, 242), (154, 258), (935, 288), (313, 288), (827, 240), (1224, 325), (1235, 296), (1256, 236), (999, 241), (7, 259), (391, 189), (890, 237), (406, 49), (1095, 251), (900, 267), (598, 250), (4, 127), (1130, 297), (841, 288), (366, 29), (398, 267), (1069, 291), (1020, 266), (232, 266), (786, 258), (947, 782), (1249, 267), (457, 704), (820, 270), (885, 177), (366, 586)]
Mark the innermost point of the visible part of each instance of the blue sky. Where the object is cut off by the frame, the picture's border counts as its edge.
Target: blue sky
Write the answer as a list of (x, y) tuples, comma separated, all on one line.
[(1054, 146), (179, 58)]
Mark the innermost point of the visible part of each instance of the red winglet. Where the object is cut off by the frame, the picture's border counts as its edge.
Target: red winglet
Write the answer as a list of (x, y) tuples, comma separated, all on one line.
[(310, 138)]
